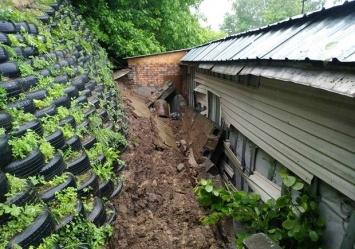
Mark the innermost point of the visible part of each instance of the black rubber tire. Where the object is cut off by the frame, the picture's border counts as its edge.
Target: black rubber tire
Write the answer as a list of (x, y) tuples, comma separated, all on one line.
[(100, 159), (56, 67), (42, 227), (95, 101), (49, 194), (109, 126), (32, 29), (106, 188), (113, 213), (20, 38), (68, 120), (28, 196), (19, 52), (4, 188), (89, 142), (44, 18), (79, 213), (74, 143), (84, 124), (5, 121), (28, 82), (12, 88), (91, 85), (61, 79), (86, 92), (100, 88), (34, 125), (56, 139), (80, 165), (7, 27), (31, 165), (9, 69), (4, 39), (50, 110), (71, 60), (98, 214), (51, 56), (118, 188), (82, 100), (108, 97), (39, 94), (92, 185), (79, 83), (91, 110), (45, 72), (30, 51), (63, 63), (60, 54), (103, 115), (54, 167), (19, 26), (3, 55), (62, 101), (27, 105), (5, 151), (97, 94), (72, 92)]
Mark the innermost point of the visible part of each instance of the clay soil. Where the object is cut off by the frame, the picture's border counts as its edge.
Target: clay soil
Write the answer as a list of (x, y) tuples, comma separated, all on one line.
[(157, 207)]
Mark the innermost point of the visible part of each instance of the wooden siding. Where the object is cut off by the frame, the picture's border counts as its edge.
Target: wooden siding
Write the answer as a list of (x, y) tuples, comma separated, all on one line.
[(310, 131)]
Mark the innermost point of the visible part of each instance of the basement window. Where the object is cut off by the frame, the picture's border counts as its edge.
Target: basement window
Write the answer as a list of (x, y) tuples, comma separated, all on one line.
[(214, 107), (257, 168)]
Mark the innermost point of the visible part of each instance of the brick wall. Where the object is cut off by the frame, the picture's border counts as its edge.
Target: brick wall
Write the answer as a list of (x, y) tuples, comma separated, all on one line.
[(155, 70), (152, 74)]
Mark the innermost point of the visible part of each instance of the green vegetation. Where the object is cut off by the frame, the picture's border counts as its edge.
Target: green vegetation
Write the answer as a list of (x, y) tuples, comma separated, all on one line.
[(249, 14), (293, 220), (127, 28)]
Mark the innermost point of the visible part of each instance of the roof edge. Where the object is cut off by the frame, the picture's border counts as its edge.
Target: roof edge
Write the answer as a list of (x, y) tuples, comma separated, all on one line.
[(166, 52)]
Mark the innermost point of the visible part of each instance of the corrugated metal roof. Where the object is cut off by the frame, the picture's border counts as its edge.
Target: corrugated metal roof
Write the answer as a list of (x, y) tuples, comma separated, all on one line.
[(320, 36)]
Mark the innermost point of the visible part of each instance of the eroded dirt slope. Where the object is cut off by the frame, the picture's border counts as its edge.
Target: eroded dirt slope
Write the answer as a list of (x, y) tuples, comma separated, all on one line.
[(157, 207)]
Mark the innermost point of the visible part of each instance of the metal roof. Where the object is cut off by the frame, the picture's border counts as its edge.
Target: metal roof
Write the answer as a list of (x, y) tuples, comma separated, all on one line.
[(161, 53), (324, 35)]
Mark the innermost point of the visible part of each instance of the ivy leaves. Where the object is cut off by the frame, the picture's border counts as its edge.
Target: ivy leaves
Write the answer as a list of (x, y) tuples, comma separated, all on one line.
[(293, 219)]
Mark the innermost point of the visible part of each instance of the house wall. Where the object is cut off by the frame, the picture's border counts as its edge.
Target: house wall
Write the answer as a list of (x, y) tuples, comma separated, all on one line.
[(155, 70), (310, 131), (307, 130)]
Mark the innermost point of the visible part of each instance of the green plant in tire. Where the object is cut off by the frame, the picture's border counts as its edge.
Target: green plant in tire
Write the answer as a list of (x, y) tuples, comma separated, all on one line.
[(40, 63), (25, 68), (3, 99), (22, 146), (64, 203), (16, 185), (20, 218)]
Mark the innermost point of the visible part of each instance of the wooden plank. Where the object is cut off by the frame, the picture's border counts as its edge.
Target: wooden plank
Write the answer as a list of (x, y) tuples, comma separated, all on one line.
[(229, 153), (262, 186)]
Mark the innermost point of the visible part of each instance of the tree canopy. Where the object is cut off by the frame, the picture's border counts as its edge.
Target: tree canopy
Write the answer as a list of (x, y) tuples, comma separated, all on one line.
[(248, 14), (129, 28)]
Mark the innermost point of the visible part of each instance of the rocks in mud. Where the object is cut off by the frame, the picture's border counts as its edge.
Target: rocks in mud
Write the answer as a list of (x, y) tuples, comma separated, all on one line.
[(180, 166)]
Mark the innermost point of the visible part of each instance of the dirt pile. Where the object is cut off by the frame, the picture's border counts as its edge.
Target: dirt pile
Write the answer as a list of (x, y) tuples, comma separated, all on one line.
[(157, 207)]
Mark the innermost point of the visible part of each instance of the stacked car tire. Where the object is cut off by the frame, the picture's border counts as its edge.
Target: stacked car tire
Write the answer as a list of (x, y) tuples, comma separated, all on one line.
[(88, 87)]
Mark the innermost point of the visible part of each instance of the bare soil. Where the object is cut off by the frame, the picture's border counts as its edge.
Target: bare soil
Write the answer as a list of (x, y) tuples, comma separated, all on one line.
[(157, 207)]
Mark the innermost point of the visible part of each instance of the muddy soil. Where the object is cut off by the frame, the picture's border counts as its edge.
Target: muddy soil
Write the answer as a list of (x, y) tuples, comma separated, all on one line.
[(157, 207)]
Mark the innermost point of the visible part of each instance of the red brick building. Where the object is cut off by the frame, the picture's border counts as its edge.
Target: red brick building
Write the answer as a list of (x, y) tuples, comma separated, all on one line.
[(150, 72)]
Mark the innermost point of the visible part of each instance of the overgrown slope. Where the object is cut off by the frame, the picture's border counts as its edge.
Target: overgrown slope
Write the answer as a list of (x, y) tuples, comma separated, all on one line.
[(62, 130)]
